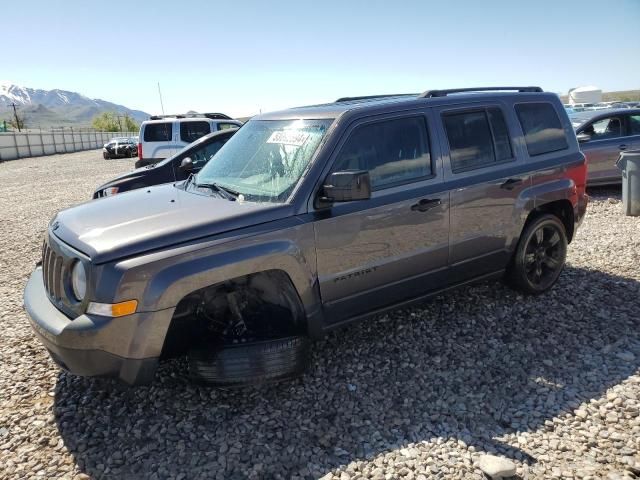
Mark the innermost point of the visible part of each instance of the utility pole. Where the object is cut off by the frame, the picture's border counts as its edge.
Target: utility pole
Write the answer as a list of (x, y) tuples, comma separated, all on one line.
[(15, 114)]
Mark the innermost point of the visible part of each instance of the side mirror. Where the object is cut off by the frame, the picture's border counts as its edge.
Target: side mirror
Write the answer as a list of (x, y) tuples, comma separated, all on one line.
[(583, 137), (186, 164), (346, 186)]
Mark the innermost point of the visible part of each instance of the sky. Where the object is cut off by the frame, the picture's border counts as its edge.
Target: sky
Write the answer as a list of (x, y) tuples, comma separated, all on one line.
[(243, 57)]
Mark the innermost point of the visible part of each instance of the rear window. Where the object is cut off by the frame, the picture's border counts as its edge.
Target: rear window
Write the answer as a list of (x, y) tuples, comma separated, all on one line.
[(543, 132), (192, 131), (157, 132), (477, 139)]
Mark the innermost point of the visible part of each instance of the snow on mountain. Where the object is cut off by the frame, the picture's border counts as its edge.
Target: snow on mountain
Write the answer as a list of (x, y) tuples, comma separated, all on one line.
[(64, 103)]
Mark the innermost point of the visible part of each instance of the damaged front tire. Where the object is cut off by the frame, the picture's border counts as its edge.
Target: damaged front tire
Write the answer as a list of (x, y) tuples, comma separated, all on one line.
[(246, 363)]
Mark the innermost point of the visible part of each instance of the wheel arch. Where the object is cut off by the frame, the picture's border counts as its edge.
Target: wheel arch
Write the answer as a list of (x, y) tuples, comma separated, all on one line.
[(563, 209), (272, 287)]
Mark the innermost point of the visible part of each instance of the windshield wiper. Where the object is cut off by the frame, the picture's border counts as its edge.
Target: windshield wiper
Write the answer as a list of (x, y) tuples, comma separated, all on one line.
[(225, 191)]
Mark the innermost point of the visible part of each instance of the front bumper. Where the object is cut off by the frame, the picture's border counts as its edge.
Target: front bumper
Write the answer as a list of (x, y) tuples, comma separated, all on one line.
[(127, 348)]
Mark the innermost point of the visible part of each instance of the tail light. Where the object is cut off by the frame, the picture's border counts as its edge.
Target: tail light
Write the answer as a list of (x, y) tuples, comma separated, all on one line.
[(140, 151)]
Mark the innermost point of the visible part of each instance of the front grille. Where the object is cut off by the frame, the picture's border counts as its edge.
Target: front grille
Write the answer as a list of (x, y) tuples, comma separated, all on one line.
[(52, 272), (58, 259)]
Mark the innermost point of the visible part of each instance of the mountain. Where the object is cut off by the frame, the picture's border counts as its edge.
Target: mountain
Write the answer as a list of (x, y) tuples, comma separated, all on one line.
[(50, 108)]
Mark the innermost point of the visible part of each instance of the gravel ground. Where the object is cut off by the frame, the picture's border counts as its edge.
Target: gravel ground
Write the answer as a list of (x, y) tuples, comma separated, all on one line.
[(552, 383)]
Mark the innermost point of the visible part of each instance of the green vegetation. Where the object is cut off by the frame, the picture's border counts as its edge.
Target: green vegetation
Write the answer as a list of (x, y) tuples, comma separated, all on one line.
[(114, 122)]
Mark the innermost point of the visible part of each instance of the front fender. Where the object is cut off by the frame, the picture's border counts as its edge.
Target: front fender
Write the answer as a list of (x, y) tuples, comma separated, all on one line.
[(160, 280)]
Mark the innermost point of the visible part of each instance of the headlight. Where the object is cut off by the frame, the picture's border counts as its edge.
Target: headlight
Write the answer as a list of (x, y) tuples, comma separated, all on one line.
[(78, 281), (107, 192)]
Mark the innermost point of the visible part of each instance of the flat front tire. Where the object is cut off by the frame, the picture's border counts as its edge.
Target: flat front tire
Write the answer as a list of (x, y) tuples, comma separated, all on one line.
[(248, 363), (540, 255)]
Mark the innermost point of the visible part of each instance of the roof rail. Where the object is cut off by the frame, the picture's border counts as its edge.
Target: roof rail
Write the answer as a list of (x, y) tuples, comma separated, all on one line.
[(373, 97), (213, 116), (444, 93)]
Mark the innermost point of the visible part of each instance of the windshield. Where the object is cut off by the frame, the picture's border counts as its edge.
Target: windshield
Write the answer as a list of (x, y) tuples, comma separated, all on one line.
[(266, 158)]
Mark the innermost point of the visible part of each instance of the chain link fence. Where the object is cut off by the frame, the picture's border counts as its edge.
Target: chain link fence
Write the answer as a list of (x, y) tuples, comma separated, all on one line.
[(35, 143)]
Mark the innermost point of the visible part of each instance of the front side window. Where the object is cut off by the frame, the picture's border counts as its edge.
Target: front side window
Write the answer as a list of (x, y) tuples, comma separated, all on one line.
[(202, 155), (393, 151), (610, 127), (634, 124), (192, 131), (543, 132), (265, 159), (158, 132)]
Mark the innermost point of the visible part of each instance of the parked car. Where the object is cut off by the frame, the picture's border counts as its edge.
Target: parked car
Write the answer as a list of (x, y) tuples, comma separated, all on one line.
[(603, 134), (120, 147), (173, 169), (308, 219), (165, 135)]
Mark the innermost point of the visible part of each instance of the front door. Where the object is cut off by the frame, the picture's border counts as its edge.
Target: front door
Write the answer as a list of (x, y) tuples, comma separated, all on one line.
[(393, 246), (603, 148), (200, 154), (633, 126)]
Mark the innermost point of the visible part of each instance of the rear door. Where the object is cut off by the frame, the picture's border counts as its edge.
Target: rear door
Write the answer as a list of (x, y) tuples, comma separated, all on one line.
[(158, 140), (191, 130), (477, 143), (393, 246)]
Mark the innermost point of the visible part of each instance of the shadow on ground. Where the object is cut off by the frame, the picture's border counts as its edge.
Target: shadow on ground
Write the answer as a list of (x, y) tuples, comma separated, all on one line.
[(473, 365)]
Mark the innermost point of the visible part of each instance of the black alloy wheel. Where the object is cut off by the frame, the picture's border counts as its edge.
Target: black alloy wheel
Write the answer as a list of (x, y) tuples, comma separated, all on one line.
[(540, 256)]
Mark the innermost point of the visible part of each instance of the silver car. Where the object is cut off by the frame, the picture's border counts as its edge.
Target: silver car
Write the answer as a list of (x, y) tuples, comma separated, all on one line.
[(603, 134)]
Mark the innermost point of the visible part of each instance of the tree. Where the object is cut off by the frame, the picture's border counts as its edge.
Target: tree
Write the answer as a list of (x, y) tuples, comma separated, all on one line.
[(18, 120), (114, 122)]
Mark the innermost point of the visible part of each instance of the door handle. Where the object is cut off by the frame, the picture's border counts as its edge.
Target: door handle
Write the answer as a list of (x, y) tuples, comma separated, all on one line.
[(622, 147), (426, 204), (511, 183)]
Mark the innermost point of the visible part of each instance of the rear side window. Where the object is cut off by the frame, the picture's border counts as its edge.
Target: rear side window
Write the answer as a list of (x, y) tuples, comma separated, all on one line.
[(225, 126), (191, 131), (543, 132), (394, 151), (477, 138), (157, 132)]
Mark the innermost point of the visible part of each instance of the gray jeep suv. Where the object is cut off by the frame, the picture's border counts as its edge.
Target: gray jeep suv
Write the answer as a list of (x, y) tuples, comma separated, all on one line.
[(305, 220)]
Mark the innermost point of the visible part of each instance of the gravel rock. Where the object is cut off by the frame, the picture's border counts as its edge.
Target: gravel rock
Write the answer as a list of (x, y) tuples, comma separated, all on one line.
[(463, 373), (497, 467)]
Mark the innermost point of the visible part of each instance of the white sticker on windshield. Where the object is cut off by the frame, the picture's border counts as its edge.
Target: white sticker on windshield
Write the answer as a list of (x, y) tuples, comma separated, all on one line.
[(288, 137)]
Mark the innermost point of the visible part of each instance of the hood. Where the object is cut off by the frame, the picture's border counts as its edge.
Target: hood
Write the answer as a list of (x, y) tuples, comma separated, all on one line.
[(137, 173), (155, 217)]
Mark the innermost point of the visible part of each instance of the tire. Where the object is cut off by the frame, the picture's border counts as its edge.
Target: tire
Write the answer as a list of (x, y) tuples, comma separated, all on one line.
[(539, 257), (256, 362), (106, 156)]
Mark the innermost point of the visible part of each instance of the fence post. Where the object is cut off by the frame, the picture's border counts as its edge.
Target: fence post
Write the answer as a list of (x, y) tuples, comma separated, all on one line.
[(44, 152), (29, 144)]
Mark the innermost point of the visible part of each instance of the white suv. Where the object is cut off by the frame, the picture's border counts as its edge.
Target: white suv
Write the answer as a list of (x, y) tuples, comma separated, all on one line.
[(164, 135)]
